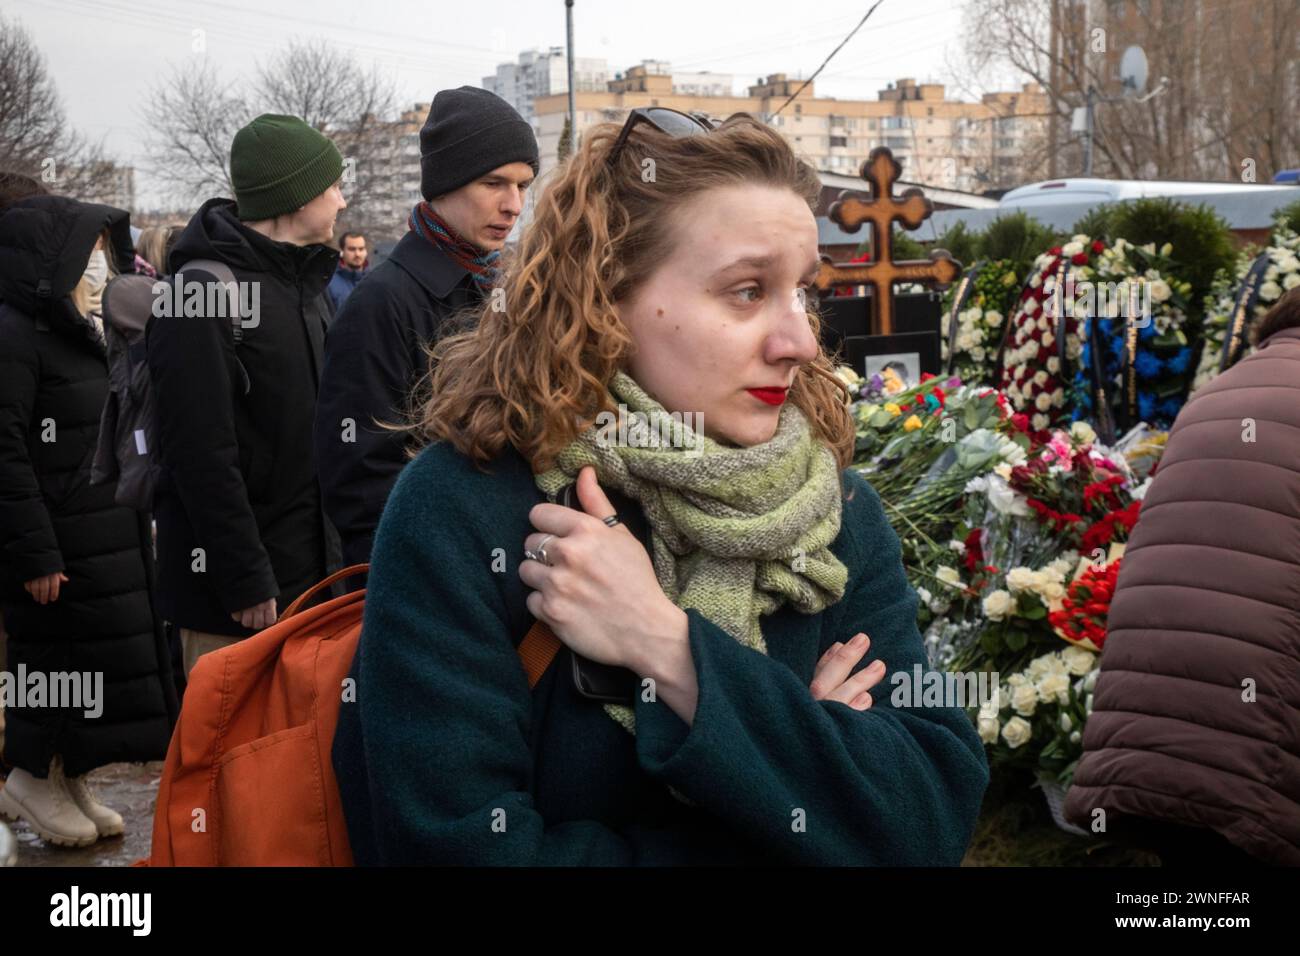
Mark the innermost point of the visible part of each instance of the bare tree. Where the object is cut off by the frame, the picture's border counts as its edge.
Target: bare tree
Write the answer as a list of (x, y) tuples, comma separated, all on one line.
[(330, 91), (35, 138), (192, 117), (1231, 71)]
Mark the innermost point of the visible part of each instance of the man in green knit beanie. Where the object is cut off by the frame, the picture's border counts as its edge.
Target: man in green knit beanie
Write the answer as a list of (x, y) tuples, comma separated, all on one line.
[(241, 532)]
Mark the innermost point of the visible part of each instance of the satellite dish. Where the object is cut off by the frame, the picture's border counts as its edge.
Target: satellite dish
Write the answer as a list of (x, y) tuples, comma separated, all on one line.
[(1133, 71)]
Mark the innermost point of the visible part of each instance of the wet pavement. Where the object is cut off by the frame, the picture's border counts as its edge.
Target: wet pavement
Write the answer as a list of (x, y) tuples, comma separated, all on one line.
[(130, 789)]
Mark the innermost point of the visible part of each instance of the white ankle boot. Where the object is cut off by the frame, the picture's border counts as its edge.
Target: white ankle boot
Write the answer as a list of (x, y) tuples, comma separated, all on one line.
[(108, 822), (47, 807)]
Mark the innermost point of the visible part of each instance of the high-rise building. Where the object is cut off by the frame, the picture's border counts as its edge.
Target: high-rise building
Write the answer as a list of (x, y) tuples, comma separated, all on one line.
[(544, 73)]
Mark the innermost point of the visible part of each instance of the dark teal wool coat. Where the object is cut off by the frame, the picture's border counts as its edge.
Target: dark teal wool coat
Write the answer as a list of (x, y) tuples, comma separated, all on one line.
[(445, 757)]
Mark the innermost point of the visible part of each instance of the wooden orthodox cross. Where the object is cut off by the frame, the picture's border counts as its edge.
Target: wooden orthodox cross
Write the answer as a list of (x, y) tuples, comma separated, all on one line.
[(881, 171)]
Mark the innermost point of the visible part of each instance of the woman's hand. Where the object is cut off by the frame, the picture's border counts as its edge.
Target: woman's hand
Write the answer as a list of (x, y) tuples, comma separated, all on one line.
[(831, 680), (599, 593), (46, 589)]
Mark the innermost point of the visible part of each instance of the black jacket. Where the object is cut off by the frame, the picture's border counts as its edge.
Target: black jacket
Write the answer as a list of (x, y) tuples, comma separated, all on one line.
[(237, 505), (53, 384), (374, 357)]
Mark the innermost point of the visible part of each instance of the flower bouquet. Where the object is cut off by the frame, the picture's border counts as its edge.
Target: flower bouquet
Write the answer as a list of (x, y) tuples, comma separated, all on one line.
[(1282, 274), (1033, 375), (1151, 304), (980, 323)]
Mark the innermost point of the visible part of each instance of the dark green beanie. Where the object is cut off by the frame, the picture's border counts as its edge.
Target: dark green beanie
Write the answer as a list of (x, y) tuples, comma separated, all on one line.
[(278, 164)]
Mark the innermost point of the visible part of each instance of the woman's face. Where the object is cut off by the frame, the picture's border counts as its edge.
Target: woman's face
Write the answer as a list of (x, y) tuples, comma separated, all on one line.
[(724, 313)]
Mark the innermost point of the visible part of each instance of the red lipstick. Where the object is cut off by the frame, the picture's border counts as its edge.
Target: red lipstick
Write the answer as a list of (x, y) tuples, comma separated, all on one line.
[(772, 396)]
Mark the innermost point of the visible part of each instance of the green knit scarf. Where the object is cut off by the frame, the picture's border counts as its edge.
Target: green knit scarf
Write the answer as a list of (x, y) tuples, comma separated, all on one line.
[(735, 532)]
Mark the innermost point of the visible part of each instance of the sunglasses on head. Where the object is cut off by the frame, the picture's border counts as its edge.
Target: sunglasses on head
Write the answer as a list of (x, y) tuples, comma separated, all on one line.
[(670, 122)]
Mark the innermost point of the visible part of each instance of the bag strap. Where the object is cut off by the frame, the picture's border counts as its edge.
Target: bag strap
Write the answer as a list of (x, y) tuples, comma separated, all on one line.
[(222, 273), (536, 650)]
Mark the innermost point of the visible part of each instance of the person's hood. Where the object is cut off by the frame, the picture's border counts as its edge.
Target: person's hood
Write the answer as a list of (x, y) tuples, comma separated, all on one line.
[(45, 242), (216, 233)]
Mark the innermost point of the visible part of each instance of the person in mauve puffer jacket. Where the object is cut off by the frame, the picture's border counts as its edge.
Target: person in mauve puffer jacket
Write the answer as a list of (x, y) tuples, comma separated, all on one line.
[(1194, 738)]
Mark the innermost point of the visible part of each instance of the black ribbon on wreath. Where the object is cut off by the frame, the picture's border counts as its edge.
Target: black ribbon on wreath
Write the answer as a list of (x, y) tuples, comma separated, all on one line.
[(1239, 322), (959, 297), (1103, 420)]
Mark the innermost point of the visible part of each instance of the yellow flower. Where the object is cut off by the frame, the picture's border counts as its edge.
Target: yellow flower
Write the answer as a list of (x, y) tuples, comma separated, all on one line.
[(893, 409), (912, 424)]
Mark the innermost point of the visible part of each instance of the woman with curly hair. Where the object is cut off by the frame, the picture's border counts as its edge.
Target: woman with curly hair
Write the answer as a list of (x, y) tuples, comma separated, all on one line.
[(727, 594)]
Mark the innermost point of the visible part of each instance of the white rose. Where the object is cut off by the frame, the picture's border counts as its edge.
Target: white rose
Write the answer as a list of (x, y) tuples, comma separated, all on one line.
[(1040, 378), (1040, 667), (1054, 685), (1017, 732), (1019, 579), (1291, 281), (1160, 290), (988, 728), (1269, 291), (977, 353), (958, 546), (1043, 402), (1058, 396), (1053, 364), (1031, 306), (1004, 498), (948, 576), (1048, 339), (1039, 422), (1003, 470), (924, 595), (1072, 248), (1024, 700), (993, 318), (1078, 660), (998, 605), (1082, 432), (1052, 591)]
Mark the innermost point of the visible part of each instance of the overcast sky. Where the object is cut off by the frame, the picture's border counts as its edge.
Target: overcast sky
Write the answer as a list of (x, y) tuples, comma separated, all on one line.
[(106, 55)]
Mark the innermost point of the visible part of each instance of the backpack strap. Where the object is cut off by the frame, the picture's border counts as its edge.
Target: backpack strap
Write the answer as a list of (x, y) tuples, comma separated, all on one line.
[(222, 273), (536, 650)]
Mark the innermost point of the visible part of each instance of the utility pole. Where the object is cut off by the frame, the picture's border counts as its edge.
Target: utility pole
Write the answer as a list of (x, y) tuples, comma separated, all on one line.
[(573, 119)]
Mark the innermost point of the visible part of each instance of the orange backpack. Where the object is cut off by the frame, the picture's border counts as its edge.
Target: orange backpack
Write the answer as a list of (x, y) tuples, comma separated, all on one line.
[(248, 779)]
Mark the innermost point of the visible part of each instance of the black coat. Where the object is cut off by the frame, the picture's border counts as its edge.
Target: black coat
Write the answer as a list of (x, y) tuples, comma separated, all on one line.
[(374, 357), (237, 479), (53, 384)]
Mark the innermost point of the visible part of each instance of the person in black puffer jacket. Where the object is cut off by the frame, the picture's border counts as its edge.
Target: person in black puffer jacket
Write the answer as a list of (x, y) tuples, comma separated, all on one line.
[(241, 531), (76, 571)]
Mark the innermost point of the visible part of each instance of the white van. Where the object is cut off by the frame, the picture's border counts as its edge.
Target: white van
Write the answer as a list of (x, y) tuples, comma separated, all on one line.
[(1055, 192)]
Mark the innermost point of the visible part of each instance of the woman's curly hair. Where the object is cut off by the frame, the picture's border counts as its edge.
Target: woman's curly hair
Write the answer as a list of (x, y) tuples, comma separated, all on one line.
[(533, 368)]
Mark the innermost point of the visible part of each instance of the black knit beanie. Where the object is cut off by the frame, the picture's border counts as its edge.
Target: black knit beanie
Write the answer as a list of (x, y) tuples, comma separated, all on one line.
[(470, 132)]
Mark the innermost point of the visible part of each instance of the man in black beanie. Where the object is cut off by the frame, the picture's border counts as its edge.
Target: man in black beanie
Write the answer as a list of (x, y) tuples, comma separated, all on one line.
[(477, 158)]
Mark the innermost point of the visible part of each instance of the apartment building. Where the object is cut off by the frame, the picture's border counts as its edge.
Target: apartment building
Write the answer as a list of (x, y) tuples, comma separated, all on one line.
[(946, 143)]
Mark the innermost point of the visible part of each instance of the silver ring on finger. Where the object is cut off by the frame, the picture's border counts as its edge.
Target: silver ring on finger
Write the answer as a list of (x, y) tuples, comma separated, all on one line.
[(541, 550)]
